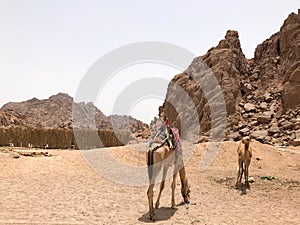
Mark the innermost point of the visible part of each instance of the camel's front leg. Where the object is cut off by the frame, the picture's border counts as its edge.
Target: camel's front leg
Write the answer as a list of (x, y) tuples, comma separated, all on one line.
[(173, 191), (243, 171), (240, 172), (150, 201), (162, 185), (247, 173)]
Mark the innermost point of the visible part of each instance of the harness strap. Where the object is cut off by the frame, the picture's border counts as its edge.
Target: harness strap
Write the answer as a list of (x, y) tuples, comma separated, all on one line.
[(160, 145)]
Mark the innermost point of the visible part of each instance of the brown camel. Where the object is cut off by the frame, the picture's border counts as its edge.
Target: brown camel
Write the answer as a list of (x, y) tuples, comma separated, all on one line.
[(244, 152), (164, 157)]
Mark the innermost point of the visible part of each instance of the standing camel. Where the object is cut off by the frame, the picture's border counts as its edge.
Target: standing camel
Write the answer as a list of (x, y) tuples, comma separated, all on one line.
[(244, 152), (163, 157)]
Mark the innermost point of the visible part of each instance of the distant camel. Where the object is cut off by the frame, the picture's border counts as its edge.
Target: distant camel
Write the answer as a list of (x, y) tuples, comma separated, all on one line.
[(164, 157), (244, 152)]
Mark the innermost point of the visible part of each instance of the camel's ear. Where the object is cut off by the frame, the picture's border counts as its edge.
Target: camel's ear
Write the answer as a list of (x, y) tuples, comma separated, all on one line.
[(250, 139)]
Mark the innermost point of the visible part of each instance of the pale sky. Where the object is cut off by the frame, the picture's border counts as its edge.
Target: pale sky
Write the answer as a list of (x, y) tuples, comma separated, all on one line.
[(46, 47)]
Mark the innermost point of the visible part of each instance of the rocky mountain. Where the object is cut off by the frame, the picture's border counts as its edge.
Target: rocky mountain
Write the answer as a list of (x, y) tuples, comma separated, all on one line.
[(57, 112), (261, 95)]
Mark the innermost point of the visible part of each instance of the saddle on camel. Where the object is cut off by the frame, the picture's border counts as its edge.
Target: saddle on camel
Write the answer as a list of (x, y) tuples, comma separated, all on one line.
[(166, 152)]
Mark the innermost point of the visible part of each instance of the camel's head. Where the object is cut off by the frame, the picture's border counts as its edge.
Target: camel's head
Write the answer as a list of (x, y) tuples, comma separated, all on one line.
[(246, 140)]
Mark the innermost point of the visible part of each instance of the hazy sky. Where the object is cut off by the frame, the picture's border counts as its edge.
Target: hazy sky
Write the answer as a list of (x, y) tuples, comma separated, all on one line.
[(46, 47)]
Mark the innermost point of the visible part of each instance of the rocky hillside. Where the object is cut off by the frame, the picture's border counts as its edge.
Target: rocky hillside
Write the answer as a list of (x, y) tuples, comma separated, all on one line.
[(9, 117), (56, 112), (262, 95), (136, 127)]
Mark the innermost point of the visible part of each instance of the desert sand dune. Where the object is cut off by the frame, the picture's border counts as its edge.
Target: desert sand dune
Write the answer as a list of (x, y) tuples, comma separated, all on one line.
[(63, 189)]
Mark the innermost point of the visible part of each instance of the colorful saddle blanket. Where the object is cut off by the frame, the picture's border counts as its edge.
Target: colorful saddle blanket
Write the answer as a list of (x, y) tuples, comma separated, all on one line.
[(176, 139)]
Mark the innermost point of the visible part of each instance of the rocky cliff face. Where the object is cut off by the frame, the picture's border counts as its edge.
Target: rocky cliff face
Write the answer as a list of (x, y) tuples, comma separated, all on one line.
[(290, 61), (227, 64), (261, 95)]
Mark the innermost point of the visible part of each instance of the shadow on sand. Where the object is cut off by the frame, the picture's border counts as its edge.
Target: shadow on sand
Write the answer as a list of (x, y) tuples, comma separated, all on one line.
[(243, 188), (161, 214)]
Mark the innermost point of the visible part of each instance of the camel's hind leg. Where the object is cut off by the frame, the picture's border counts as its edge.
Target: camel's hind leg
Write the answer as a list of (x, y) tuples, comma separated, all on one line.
[(162, 185), (152, 173), (155, 171), (150, 200), (150, 192), (185, 190), (173, 204)]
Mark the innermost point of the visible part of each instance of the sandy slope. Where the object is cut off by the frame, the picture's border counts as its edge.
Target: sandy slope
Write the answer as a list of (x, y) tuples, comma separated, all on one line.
[(63, 189)]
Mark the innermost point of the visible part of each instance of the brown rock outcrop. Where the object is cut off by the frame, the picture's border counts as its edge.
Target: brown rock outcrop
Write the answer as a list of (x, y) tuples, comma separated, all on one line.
[(290, 61), (56, 112), (226, 63), (262, 95)]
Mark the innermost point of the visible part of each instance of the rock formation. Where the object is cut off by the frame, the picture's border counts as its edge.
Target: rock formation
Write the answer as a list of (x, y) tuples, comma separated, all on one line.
[(57, 112), (261, 95)]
